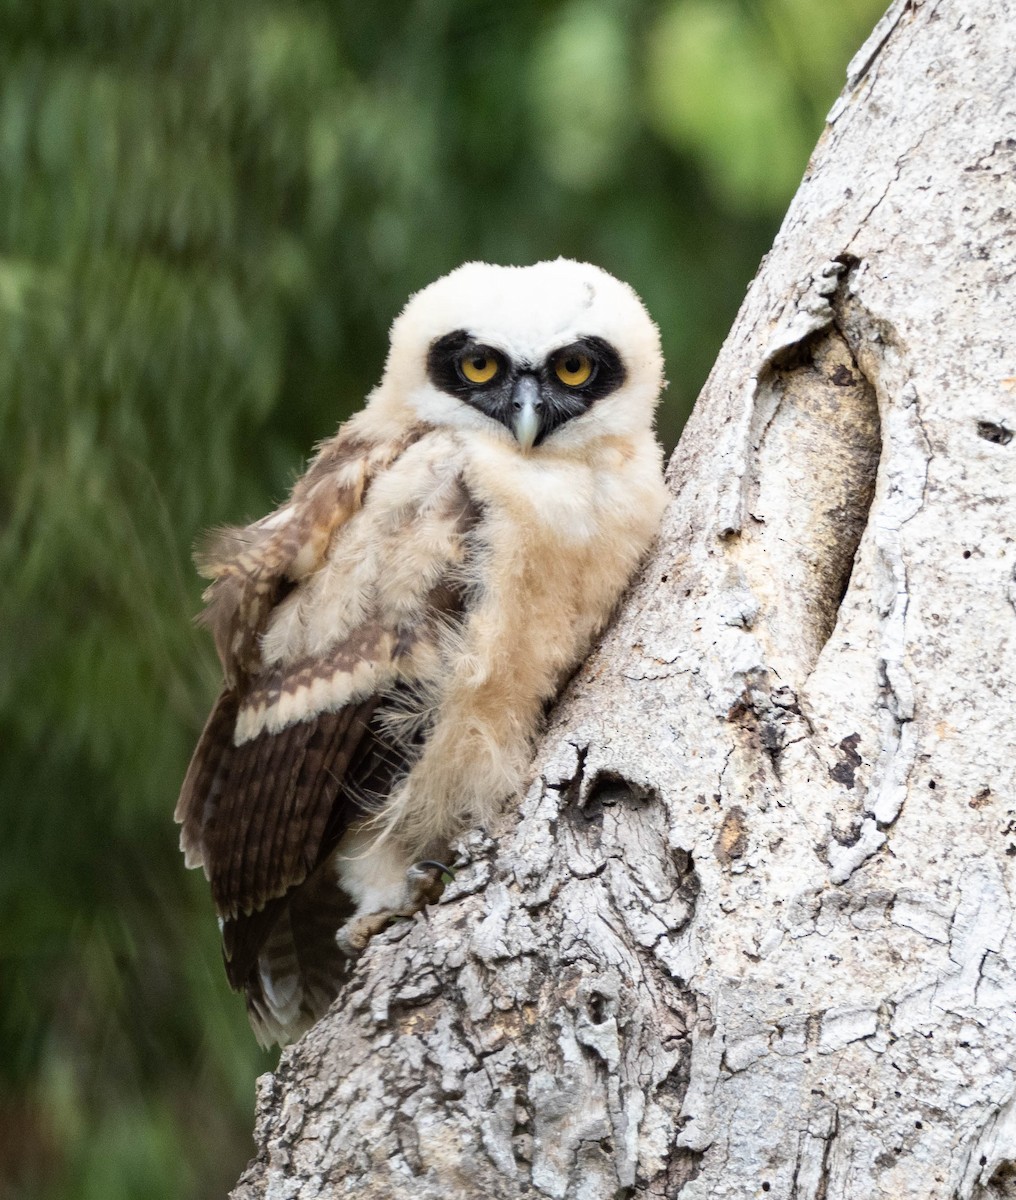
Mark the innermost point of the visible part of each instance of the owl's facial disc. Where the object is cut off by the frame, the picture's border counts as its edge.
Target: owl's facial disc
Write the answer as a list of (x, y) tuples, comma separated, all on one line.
[(532, 400)]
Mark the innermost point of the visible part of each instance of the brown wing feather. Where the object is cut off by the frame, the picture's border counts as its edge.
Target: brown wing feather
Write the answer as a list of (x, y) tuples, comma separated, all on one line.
[(277, 775), (297, 957), (265, 815), (202, 784), (318, 813), (253, 568)]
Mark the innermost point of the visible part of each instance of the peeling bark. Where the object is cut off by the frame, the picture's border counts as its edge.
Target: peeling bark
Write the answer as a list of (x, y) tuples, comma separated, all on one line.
[(750, 930)]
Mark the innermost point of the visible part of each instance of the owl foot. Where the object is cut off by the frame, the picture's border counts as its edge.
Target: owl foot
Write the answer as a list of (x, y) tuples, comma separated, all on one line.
[(425, 881)]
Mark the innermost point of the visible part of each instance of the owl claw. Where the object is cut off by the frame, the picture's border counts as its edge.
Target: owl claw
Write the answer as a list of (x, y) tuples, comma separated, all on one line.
[(425, 881), (429, 862)]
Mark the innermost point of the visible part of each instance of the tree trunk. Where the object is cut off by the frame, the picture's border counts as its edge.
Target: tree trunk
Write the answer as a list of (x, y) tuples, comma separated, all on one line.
[(750, 930)]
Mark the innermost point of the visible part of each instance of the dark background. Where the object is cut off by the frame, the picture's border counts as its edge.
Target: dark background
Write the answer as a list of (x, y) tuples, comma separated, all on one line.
[(210, 212)]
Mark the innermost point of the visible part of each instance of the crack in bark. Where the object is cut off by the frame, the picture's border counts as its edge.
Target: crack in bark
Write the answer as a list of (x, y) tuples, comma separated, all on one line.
[(901, 162)]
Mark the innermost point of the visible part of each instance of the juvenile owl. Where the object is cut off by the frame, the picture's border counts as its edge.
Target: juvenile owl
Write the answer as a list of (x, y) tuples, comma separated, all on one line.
[(391, 634)]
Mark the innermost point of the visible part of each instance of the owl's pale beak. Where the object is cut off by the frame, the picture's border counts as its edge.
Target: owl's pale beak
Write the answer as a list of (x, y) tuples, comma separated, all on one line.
[(527, 411)]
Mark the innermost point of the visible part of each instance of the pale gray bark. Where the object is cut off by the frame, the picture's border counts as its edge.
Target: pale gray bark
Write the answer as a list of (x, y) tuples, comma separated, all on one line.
[(752, 931)]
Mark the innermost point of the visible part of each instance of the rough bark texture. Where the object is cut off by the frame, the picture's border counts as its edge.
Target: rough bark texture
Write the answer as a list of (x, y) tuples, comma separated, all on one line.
[(753, 931)]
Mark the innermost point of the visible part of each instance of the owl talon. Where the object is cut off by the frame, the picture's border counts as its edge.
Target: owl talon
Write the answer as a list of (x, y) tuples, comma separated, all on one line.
[(424, 884), (445, 875), (430, 862)]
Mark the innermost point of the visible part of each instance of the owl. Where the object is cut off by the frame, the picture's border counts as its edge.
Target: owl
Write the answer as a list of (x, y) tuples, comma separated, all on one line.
[(391, 635)]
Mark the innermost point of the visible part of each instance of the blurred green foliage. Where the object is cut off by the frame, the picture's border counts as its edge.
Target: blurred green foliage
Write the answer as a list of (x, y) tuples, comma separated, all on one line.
[(210, 211)]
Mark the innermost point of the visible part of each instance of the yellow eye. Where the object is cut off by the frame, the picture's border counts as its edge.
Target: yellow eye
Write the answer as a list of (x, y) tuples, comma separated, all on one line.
[(479, 368), (573, 369)]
